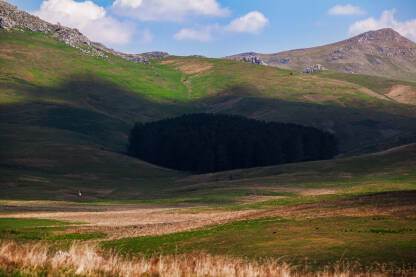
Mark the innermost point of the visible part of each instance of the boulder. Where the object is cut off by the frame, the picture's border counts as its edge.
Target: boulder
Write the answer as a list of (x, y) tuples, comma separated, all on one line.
[(313, 68)]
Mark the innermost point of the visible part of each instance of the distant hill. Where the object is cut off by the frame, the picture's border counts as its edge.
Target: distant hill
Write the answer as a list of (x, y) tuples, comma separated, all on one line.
[(383, 53)]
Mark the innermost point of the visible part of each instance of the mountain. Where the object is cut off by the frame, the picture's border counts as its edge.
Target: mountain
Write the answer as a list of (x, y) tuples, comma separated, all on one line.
[(13, 18), (382, 53), (65, 114)]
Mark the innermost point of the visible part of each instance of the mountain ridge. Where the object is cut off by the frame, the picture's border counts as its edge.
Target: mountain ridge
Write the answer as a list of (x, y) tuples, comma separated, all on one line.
[(383, 52)]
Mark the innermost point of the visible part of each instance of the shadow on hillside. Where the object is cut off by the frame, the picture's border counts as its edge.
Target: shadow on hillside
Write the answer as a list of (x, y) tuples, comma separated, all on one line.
[(354, 127), (105, 112), (98, 109)]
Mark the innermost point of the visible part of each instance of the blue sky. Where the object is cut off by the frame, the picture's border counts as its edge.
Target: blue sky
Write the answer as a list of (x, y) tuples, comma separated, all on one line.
[(217, 28)]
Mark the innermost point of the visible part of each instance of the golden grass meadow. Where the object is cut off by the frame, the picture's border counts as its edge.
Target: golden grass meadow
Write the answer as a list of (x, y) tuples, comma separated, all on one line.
[(88, 260)]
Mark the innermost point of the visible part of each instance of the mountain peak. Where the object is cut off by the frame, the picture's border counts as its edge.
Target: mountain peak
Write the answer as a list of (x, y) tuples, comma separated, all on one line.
[(384, 31), (384, 35)]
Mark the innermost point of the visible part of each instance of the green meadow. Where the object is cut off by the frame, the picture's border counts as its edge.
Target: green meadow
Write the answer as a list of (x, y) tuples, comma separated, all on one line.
[(32, 229)]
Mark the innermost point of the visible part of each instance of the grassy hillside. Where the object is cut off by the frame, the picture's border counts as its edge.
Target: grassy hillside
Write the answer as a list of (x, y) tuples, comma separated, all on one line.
[(301, 182), (36, 62), (65, 116), (402, 92)]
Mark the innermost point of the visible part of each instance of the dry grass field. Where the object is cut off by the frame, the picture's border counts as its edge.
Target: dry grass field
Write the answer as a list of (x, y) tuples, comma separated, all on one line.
[(108, 255), (88, 260), (130, 221)]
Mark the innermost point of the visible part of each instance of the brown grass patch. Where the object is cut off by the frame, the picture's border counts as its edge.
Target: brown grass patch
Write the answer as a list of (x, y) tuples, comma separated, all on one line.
[(258, 198), (193, 66), (131, 222), (29, 203), (403, 94), (372, 93), (315, 191), (351, 87)]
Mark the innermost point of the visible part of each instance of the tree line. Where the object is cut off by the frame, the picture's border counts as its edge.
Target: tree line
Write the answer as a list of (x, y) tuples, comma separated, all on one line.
[(208, 143)]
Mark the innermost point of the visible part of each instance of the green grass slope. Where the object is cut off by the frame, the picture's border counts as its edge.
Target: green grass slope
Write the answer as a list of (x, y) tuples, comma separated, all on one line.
[(25, 229), (65, 116)]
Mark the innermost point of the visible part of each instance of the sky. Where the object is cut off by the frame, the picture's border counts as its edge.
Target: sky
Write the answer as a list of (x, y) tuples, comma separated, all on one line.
[(218, 28)]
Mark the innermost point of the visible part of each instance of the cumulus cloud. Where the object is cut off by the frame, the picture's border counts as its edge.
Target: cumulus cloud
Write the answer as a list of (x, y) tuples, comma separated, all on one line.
[(387, 20), (253, 22), (91, 19), (346, 10), (168, 10)]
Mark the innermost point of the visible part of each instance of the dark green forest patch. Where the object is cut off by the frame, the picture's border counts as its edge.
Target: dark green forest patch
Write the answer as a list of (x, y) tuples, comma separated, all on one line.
[(210, 143)]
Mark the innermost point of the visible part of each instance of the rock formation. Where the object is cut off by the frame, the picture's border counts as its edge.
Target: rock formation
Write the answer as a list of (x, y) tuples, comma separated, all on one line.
[(249, 57), (12, 18), (313, 68), (253, 59)]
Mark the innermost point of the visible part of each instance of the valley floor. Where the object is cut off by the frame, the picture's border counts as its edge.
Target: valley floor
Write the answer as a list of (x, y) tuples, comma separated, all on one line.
[(372, 233)]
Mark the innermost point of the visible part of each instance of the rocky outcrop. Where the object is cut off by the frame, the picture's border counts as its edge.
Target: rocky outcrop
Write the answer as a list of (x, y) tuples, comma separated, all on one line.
[(145, 57), (197, 56), (253, 59), (139, 58), (12, 18), (249, 57), (313, 68), (155, 55)]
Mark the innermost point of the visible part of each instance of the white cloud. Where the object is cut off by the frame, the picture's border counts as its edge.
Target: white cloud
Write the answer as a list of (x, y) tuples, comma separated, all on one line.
[(253, 22), (387, 20), (202, 34), (90, 19), (128, 3), (168, 10), (346, 10)]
